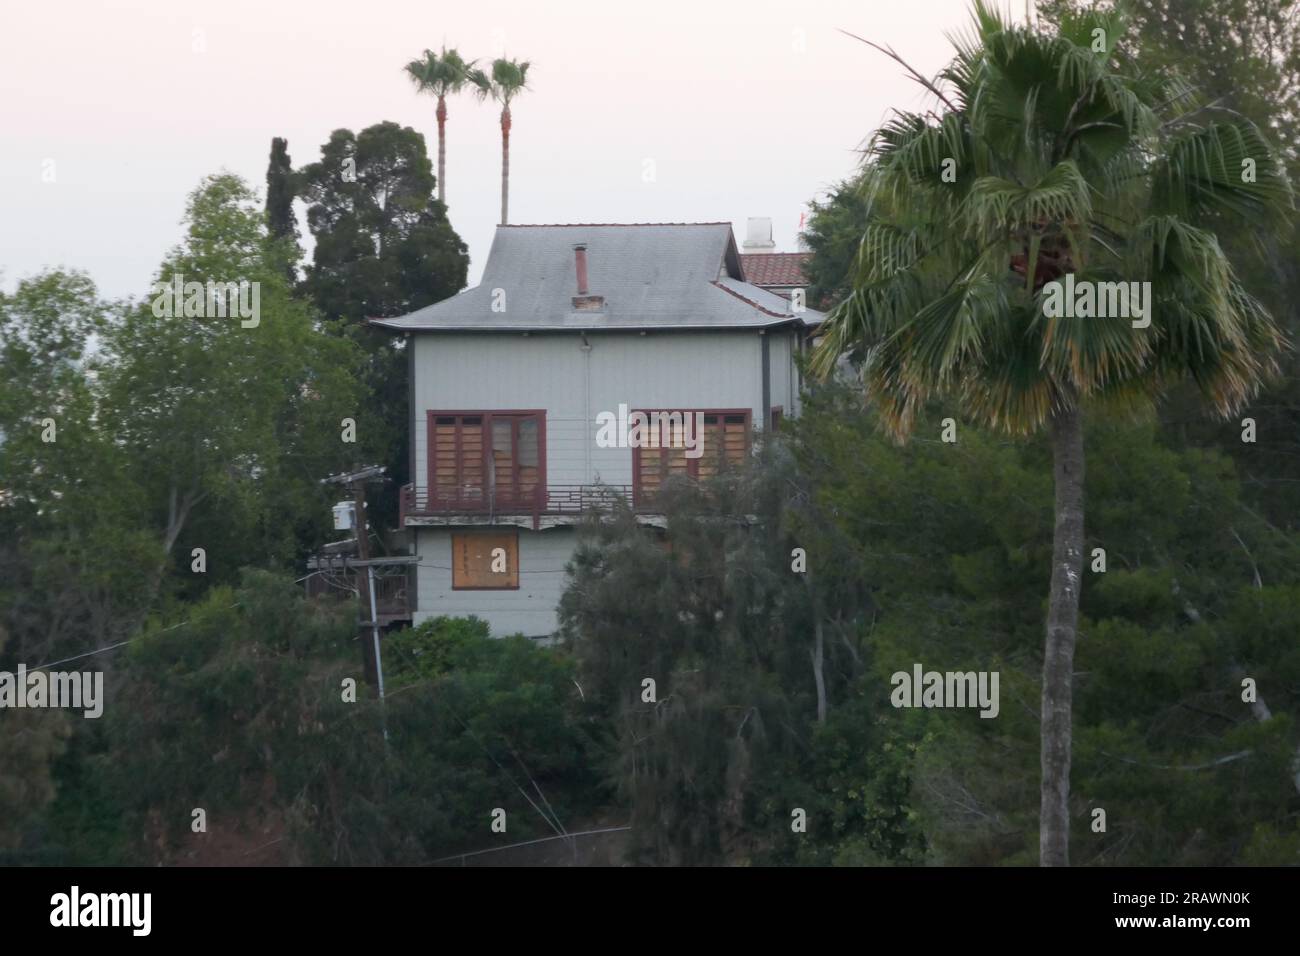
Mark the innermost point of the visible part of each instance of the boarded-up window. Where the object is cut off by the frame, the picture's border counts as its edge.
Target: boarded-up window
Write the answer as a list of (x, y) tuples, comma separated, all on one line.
[(725, 438), (483, 561)]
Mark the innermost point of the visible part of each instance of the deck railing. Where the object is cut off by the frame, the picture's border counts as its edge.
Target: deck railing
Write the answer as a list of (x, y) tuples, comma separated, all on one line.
[(550, 500), (392, 588)]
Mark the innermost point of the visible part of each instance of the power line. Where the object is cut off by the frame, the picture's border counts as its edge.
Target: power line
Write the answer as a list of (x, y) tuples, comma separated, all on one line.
[(511, 846), (440, 567), (111, 647), (332, 583), (78, 657)]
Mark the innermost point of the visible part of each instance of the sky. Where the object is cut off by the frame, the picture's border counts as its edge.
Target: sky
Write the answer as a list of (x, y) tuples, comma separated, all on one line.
[(672, 111)]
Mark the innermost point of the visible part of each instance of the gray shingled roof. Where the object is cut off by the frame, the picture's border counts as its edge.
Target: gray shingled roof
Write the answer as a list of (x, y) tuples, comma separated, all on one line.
[(653, 276)]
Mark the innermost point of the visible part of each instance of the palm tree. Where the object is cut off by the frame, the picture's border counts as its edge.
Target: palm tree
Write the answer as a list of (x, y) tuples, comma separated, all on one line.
[(1050, 155), (441, 75), (509, 78)]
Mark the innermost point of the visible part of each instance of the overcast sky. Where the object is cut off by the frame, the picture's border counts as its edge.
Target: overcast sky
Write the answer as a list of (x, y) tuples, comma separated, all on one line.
[(739, 108)]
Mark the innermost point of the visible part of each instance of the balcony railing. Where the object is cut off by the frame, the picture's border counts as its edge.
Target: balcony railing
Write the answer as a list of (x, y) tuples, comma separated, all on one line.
[(392, 588), (548, 500)]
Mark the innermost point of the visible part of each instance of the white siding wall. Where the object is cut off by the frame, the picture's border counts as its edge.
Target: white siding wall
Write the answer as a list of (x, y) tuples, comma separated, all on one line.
[(529, 611), (552, 372), (781, 371)]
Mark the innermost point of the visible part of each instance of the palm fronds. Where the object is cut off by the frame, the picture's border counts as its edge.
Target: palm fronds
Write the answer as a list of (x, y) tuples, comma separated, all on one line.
[(1052, 154)]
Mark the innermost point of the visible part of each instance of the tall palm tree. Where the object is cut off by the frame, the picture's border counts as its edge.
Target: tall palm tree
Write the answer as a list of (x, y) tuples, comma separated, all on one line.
[(1051, 154), (508, 79), (442, 76)]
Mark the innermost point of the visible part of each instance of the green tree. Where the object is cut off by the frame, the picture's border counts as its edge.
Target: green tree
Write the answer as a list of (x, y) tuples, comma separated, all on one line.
[(507, 80), (1054, 156), (753, 649), (229, 419), (251, 705), (384, 247), (29, 742), (954, 544), (833, 235), (281, 189), (70, 550), (280, 192), (1242, 55), (441, 76)]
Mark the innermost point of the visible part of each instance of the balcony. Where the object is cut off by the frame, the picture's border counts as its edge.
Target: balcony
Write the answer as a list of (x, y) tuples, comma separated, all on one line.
[(336, 575), (546, 506)]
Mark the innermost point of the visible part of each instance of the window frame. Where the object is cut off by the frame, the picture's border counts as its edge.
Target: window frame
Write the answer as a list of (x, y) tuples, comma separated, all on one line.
[(484, 500), (692, 464)]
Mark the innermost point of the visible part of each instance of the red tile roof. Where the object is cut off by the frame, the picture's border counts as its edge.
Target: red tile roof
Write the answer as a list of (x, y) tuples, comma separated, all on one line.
[(775, 268)]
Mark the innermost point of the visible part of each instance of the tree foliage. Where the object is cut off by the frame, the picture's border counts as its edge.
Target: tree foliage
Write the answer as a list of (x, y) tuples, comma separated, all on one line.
[(1052, 158), (384, 246)]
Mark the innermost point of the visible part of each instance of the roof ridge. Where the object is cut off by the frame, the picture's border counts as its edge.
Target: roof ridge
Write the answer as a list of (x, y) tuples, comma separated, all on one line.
[(748, 301)]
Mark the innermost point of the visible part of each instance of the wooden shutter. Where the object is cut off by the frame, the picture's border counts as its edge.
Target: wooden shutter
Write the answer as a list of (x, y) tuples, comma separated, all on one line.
[(712, 456), (650, 472), (477, 455), (472, 561), (456, 458), (528, 450), (735, 438), (725, 436)]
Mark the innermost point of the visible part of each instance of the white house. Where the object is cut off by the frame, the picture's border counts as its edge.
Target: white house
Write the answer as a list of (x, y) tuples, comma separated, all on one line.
[(519, 384)]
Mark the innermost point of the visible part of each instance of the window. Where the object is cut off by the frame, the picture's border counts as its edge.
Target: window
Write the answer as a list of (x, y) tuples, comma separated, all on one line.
[(456, 458), (487, 458), (778, 413), (515, 457), (482, 561), (726, 439)]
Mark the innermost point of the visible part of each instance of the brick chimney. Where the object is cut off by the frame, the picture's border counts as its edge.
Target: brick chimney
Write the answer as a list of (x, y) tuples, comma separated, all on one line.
[(584, 301)]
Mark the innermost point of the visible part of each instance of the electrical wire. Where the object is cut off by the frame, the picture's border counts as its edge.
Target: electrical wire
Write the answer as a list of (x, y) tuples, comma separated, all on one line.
[(112, 647)]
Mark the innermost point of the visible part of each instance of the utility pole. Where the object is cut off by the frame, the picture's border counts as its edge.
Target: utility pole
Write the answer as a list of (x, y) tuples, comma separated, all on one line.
[(368, 618), (364, 581)]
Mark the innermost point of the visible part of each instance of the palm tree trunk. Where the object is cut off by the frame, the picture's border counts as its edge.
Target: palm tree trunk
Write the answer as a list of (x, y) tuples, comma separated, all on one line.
[(1062, 628), (442, 150), (505, 165)]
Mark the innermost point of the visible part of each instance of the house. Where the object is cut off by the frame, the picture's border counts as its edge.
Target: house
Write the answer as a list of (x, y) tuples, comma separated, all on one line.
[(779, 272), (526, 390)]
